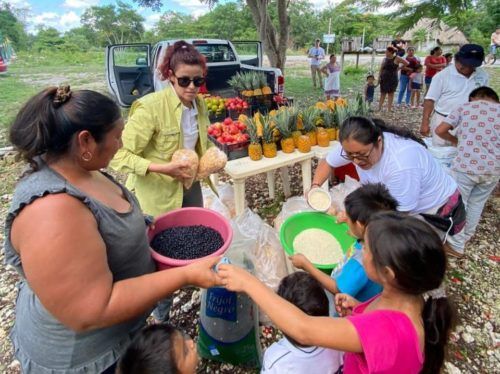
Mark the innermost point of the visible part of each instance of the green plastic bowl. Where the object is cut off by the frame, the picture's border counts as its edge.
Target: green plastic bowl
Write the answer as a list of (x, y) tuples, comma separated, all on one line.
[(315, 220)]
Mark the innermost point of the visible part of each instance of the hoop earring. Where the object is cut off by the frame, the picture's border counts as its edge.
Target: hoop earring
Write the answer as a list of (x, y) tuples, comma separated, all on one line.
[(86, 156)]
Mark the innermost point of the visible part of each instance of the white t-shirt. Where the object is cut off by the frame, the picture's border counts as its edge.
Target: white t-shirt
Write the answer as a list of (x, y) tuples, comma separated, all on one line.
[(412, 176), (283, 357), (189, 126), (449, 88), (316, 51)]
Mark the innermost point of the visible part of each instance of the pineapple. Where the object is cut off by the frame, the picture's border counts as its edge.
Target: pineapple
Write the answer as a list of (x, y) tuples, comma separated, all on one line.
[(329, 123), (235, 82), (246, 81), (283, 124), (341, 113), (309, 117), (255, 148), (269, 145), (294, 116), (323, 137), (266, 90), (258, 118), (304, 144), (321, 105), (256, 84)]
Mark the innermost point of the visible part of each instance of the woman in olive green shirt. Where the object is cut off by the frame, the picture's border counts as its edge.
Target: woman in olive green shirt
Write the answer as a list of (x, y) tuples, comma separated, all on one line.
[(161, 123)]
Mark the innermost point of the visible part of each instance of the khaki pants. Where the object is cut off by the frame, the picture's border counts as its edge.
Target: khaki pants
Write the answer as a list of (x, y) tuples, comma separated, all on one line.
[(315, 69)]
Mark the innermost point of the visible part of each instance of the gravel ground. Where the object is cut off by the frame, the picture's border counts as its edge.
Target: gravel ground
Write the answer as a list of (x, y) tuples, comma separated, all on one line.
[(474, 344)]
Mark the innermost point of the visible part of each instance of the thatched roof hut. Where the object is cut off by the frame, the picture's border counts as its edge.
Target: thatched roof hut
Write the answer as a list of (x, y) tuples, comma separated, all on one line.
[(437, 33)]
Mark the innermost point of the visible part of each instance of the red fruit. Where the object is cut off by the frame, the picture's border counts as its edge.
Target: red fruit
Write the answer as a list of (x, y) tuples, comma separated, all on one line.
[(210, 130), (233, 129), (241, 126), (216, 132), (217, 125), (220, 139), (246, 136), (228, 121)]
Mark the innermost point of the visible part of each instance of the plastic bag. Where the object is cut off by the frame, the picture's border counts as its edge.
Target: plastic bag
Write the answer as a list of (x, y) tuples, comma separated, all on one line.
[(268, 256), (211, 162), (292, 206), (211, 201), (229, 322), (341, 190), (226, 195), (192, 158)]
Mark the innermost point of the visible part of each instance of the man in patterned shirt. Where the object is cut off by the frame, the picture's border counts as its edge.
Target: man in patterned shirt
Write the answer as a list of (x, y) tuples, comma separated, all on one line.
[(476, 167)]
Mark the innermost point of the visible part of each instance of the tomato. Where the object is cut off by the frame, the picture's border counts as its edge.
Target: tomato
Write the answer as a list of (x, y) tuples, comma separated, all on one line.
[(220, 139), (228, 121), (233, 129)]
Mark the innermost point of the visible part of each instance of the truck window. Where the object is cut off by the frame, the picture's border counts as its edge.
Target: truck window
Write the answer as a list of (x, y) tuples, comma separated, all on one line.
[(216, 52), (131, 56)]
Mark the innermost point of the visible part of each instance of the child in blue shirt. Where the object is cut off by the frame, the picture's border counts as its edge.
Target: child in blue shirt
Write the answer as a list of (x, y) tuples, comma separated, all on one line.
[(360, 206)]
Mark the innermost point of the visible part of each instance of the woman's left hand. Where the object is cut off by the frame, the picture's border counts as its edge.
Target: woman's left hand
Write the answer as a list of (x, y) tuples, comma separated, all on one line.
[(234, 278)]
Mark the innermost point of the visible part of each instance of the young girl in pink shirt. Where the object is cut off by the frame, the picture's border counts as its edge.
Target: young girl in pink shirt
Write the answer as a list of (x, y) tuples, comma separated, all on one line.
[(402, 330)]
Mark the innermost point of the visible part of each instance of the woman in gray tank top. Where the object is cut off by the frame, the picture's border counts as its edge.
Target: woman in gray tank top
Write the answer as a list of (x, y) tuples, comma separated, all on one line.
[(78, 240)]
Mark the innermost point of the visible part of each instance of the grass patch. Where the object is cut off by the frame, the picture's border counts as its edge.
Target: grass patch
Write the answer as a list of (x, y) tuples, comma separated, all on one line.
[(298, 84), (13, 95)]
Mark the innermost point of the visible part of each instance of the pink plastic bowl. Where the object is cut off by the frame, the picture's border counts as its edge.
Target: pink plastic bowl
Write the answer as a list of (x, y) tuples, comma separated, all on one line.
[(190, 217)]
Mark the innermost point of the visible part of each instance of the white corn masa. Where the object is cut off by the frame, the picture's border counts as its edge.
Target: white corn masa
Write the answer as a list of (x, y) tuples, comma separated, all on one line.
[(319, 200), (319, 246)]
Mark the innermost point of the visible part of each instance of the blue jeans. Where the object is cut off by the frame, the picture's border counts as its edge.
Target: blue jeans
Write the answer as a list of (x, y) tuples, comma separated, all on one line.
[(475, 190), (404, 86)]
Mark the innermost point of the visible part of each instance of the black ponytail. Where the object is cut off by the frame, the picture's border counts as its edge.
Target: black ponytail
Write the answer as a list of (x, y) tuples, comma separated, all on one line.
[(367, 130), (438, 316), (47, 122), (414, 252)]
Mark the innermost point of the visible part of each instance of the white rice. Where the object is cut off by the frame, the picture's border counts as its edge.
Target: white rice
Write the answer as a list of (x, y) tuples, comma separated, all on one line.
[(319, 246)]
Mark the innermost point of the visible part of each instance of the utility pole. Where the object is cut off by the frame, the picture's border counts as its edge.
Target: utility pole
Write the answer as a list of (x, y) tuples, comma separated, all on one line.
[(329, 30)]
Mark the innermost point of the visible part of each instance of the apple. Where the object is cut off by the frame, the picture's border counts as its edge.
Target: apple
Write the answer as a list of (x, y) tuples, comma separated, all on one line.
[(228, 121)]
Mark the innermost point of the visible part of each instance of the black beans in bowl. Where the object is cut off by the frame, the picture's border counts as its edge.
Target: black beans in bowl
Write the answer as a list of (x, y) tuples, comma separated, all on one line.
[(187, 242)]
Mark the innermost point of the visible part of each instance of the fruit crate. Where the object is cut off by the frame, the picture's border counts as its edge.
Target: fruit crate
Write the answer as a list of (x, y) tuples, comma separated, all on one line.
[(234, 114), (232, 151)]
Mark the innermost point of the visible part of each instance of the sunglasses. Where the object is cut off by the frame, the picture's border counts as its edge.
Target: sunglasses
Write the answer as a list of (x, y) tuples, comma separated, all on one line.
[(186, 81)]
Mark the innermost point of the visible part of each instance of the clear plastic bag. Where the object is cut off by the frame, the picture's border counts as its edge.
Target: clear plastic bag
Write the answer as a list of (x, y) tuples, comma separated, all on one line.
[(268, 255), (341, 190), (192, 158), (211, 162), (226, 195), (292, 206), (211, 201)]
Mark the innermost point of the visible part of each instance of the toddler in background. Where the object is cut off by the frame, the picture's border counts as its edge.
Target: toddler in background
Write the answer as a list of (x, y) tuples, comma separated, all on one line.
[(370, 89), (360, 206), (416, 84), (288, 356), (159, 349)]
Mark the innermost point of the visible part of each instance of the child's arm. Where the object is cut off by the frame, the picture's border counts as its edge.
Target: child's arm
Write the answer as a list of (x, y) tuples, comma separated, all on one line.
[(443, 132), (335, 333), (324, 70), (301, 262)]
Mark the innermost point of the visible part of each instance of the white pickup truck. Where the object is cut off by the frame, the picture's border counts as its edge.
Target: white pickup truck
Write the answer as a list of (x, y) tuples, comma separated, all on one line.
[(131, 69)]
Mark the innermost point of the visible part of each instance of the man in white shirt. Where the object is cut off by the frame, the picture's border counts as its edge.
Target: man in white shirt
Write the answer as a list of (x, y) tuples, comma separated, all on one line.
[(451, 87), (316, 54)]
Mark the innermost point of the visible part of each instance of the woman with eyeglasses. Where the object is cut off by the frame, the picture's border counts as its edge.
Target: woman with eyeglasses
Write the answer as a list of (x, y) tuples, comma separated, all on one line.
[(397, 158), (161, 123)]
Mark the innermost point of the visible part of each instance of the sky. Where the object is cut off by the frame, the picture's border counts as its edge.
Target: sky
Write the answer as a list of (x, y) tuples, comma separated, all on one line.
[(65, 14)]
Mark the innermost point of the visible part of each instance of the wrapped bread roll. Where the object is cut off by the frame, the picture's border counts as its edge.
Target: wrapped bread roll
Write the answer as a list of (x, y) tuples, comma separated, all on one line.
[(211, 162), (192, 158)]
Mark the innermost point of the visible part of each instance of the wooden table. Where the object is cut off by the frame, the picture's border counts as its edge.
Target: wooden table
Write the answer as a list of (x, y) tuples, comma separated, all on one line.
[(242, 168)]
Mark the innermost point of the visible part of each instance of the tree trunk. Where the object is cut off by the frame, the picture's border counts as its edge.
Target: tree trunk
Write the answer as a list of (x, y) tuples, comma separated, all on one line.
[(274, 42)]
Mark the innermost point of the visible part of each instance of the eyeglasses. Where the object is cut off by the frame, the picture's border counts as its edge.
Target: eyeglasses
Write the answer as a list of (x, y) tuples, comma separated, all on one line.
[(186, 81), (356, 156)]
